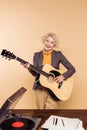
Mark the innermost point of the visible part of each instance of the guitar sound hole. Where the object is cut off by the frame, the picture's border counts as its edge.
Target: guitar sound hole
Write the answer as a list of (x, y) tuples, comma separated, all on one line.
[(51, 78)]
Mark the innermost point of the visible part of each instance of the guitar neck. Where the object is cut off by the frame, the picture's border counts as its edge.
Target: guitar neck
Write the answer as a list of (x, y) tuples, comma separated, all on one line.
[(38, 70), (21, 60)]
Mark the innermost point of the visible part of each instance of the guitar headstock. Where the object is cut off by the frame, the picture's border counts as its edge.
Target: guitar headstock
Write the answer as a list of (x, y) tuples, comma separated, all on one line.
[(8, 54)]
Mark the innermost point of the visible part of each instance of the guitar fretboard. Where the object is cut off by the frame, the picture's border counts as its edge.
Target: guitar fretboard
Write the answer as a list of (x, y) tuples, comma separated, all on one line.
[(38, 70)]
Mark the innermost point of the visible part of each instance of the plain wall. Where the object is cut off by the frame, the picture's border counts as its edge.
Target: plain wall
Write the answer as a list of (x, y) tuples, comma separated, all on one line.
[(22, 24)]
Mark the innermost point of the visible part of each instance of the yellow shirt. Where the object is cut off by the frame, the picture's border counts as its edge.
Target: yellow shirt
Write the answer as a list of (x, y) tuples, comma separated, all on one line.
[(47, 57)]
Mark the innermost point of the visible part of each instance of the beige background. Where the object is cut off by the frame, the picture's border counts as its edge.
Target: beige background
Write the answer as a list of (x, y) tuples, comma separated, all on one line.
[(22, 23)]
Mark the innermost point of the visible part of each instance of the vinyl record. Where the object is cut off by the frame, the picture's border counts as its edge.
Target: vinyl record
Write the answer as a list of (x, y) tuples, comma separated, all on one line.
[(17, 124)]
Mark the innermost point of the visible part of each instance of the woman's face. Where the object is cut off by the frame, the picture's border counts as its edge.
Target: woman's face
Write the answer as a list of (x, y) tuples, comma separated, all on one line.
[(49, 43)]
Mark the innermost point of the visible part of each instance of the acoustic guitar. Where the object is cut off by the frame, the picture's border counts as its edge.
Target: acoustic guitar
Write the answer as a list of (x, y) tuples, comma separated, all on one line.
[(45, 77)]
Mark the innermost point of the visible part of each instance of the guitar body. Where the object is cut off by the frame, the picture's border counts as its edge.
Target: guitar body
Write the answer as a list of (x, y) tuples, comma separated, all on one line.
[(62, 92)]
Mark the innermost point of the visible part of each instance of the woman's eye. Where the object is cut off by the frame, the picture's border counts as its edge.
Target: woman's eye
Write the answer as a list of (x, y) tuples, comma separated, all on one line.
[(52, 42), (47, 40)]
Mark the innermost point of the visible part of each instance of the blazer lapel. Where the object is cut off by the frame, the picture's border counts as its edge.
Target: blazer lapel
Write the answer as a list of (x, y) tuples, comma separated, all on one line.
[(40, 58)]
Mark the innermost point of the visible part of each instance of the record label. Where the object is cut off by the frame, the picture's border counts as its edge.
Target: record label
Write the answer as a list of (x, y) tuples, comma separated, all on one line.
[(17, 124)]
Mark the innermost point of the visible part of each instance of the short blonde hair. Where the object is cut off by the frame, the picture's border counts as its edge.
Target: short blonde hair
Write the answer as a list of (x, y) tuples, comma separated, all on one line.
[(53, 35)]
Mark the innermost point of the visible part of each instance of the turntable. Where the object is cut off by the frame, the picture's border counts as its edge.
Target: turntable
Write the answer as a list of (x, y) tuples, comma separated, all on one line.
[(9, 121), (20, 122)]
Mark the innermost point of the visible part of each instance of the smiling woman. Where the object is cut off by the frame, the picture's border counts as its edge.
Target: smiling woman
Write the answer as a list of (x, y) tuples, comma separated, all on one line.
[(50, 38), (49, 56)]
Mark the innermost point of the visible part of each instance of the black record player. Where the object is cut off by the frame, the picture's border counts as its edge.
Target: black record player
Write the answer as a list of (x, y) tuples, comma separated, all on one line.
[(20, 122), (9, 121)]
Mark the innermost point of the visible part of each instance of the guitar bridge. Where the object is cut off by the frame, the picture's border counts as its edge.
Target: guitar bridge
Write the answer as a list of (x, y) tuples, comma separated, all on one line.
[(60, 84)]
